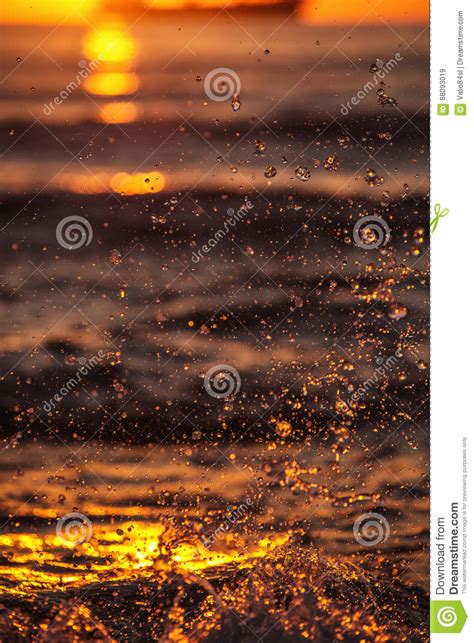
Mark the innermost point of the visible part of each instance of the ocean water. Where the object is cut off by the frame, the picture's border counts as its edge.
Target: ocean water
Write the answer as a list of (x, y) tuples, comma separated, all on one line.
[(320, 345)]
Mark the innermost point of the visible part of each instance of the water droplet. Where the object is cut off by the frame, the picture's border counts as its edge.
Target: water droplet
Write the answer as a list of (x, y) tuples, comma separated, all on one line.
[(115, 257), (283, 428), (302, 173), (383, 99), (372, 178), (236, 103), (397, 311), (331, 163), (260, 146), (376, 66), (270, 171)]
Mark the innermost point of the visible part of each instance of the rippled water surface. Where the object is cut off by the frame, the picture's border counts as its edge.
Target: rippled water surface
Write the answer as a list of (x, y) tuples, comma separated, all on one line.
[(153, 511), (137, 502)]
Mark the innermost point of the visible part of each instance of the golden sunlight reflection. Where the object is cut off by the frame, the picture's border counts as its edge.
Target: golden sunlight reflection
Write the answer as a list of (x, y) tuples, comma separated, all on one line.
[(133, 551), (120, 182), (112, 84), (110, 44), (84, 183), (194, 556), (119, 112), (117, 50), (128, 547), (138, 183)]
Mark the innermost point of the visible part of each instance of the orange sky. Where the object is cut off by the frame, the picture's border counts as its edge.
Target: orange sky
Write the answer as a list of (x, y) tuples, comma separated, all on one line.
[(311, 11)]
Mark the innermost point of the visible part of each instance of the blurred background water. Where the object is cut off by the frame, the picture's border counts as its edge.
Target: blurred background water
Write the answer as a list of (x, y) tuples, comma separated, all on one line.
[(169, 318)]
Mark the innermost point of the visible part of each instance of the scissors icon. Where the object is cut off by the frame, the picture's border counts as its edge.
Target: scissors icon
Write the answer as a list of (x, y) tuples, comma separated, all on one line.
[(439, 214)]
